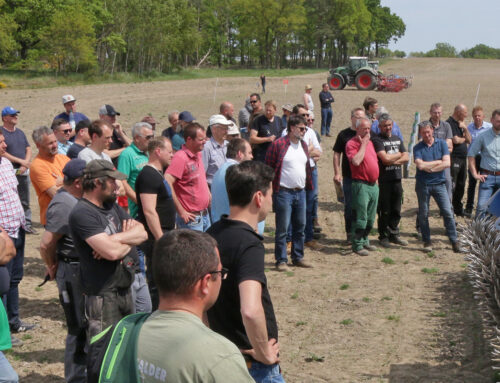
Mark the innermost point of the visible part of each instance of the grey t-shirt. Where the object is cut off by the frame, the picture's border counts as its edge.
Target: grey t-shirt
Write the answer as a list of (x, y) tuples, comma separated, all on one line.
[(88, 155)]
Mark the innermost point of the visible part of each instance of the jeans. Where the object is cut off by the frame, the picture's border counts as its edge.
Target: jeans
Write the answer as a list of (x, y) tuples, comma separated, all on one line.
[(16, 272), (364, 204), (471, 188), (201, 222), (311, 206), (326, 120), (448, 183), (486, 190), (140, 294), (289, 206), (458, 176), (23, 189), (440, 195), (389, 208), (7, 373), (263, 373), (348, 215)]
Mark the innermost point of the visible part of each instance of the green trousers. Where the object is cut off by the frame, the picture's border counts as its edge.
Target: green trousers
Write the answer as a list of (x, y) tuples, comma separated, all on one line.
[(364, 208)]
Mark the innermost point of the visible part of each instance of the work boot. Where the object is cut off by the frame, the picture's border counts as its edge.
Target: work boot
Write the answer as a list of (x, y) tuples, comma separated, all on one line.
[(398, 241), (362, 252), (282, 266), (317, 228), (370, 247), (313, 245), (384, 242)]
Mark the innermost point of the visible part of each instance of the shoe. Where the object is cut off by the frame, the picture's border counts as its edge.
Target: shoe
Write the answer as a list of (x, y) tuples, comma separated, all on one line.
[(316, 235), (313, 245), (384, 242), (456, 247), (370, 247), (468, 212), (328, 135), (282, 266), (316, 227), (428, 246), (302, 263), (398, 241), (16, 342), (362, 252), (30, 230), (289, 247), (23, 327)]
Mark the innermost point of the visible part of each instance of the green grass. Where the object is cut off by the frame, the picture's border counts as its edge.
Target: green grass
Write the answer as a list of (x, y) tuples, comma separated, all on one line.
[(346, 322), (295, 295), (432, 270), (388, 261), (366, 299), (266, 269), (386, 299), (300, 323), (406, 262), (289, 273), (315, 358), (430, 254), (26, 337), (38, 288), (394, 318), (463, 265), (439, 314), (345, 286)]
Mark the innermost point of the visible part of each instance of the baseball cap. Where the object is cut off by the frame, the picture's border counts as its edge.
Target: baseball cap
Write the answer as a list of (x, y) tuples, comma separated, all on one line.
[(8, 110), (287, 107), (102, 168), (233, 129), (149, 120), (68, 98), (74, 168), (108, 110), (186, 116), (308, 87), (218, 119)]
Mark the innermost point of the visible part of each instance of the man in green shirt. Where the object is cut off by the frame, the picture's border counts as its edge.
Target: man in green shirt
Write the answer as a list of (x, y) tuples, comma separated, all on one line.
[(133, 159), (174, 344)]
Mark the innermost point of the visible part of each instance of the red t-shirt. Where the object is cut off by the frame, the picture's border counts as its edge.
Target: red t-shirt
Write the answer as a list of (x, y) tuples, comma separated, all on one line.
[(191, 185), (368, 169)]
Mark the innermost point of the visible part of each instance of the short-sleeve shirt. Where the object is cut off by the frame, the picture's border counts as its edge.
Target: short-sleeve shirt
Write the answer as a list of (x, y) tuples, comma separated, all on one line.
[(340, 144), (58, 222), (395, 129), (11, 211), (85, 221), (76, 115), (74, 150), (390, 145), (88, 155), (459, 150), (43, 173), (242, 252), (177, 141), (16, 144), (488, 145), (213, 155), (430, 153), (265, 128), (368, 169), (191, 186), (151, 181)]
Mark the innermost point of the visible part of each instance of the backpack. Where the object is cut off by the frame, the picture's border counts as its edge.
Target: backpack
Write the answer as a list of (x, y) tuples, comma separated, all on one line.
[(112, 355)]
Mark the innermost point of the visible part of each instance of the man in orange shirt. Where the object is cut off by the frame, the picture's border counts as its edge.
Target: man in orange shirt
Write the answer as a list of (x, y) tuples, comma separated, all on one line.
[(46, 169)]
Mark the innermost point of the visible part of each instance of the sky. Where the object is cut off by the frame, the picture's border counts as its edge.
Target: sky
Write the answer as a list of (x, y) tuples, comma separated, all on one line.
[(461, 23)]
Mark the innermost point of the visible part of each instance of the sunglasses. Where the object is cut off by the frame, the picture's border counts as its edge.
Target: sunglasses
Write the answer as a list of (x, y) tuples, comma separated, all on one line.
[(253, 101), (302, 129), (67, 131)]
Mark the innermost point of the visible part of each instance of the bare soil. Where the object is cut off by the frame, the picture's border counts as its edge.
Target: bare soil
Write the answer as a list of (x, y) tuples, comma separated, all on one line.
[(350, 318)]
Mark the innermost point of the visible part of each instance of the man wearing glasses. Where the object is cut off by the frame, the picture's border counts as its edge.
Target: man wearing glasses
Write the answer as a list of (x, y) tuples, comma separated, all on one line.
[(244, 312), (257, 110), (62, 130), (189, 274), (214, 151)]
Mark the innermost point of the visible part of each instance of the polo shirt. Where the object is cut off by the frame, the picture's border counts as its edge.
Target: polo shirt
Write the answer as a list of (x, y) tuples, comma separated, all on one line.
[(191, 186), (16, 144), (488, 144), (368, 169), (220, 199), (213, 156), (474, 132), (131, 162), (340, 143), (63, 148), (427, 153)]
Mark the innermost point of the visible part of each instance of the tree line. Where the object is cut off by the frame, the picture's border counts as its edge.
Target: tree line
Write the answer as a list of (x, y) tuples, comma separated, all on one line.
[(162, 35), (480, 51)]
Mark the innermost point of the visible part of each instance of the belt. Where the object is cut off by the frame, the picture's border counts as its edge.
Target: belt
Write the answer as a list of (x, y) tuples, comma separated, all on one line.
[(291, 189), (200, 212), (364, 182), (490, 172), (69, 260)]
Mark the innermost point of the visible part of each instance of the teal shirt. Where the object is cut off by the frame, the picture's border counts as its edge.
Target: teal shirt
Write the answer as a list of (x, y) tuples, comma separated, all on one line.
[(131, 162), (488, 144), (4, 330)]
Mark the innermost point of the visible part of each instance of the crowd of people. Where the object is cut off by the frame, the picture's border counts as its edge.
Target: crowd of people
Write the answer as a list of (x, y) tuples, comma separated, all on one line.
[(173, 223)]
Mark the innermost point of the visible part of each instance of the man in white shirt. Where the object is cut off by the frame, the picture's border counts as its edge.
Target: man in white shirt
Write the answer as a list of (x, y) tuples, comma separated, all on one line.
[(101, 134)]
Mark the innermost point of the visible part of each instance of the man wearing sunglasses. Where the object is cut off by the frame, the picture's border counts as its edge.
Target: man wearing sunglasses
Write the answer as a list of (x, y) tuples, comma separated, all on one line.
[(62, 130)]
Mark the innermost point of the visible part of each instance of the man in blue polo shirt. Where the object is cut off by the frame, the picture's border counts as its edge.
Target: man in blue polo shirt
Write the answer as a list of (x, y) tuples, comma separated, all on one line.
[(431, 158)]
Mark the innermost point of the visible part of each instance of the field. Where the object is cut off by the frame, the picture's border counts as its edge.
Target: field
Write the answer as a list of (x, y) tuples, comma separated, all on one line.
[(398, 316)]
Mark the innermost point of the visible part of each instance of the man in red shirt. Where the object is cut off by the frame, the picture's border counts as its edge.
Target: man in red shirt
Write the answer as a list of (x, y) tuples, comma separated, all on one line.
[(186, 177), (364, 168)]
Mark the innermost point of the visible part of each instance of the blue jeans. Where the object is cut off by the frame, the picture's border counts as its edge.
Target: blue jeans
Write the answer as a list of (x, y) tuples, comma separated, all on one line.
[(486, 189), (7, 373), (201, 222), (289, 206), (311, 206), (263, 373), (440, 195), (326, 120), (16, 272), (348, 216)]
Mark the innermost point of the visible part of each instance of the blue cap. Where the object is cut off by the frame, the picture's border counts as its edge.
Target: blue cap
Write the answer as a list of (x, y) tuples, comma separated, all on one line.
[(74, 168), (186, 116), (8, 110)]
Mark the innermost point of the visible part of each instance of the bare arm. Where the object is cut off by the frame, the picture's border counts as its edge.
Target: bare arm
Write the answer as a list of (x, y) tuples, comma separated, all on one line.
[(403, 159), (186, 216), (7, 249), (426, 166), (17, 160), (337, 177), (129, 192), (360, 155), (108, 247), (449, 142), (132, 234), (474, 171), (114, 153), (388, 158), (148, 202), (48, 251), (259, 140)]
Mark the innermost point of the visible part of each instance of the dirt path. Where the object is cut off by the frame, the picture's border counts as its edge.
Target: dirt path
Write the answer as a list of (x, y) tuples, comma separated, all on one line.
[(397, 316)]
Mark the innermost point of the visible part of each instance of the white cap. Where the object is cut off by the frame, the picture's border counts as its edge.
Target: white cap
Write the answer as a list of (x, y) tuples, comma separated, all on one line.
[(233, 129), (68, 98), (218, 119)]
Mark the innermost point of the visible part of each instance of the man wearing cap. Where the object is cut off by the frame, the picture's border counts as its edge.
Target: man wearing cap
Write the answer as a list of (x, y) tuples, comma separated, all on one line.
[(151, 121), (214, 151), (326, 100), (120, 139), (61, 258), (105, 237), (178, 138), (287, 111), (70, 114), (19, 154), (187, 179), (46, 168), (82, 139), (62, 130)]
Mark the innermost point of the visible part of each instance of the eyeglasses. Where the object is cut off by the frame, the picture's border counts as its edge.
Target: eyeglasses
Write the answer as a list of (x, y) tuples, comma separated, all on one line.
[(67, 131), (12, 115), (302, 129), (151, 136), (223, 273), (253, 101)]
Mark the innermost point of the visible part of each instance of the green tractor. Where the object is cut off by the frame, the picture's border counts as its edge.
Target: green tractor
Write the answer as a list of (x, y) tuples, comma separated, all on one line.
[(358, 72)]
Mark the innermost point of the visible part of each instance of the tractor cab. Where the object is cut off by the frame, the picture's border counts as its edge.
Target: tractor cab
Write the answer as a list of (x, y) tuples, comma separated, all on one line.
[(356, 63)]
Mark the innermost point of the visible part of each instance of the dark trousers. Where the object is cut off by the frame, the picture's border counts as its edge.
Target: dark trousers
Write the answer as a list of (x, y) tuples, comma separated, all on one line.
[(471, 189), (389, 208), (16, 272), (23, 189), (458, 177), (147, 247)]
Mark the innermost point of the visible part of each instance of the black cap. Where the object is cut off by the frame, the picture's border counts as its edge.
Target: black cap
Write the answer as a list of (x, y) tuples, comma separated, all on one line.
[(108, 110), (102, 168), (74, 169)]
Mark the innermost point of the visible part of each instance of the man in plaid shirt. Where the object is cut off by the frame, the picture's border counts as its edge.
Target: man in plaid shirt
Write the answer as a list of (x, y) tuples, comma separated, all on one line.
[(289, 157), (13, 221)]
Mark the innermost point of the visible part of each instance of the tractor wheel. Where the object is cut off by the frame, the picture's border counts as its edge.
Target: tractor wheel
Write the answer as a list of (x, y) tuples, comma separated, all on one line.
[(365, 81), (336, 82)]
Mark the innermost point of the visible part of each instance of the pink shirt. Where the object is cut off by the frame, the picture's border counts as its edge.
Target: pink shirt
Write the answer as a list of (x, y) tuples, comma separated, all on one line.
[(191, 185), (368, 169)]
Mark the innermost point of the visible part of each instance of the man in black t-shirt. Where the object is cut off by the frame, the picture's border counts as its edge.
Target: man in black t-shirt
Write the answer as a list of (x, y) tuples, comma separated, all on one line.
[(244, 312), (461, 137), (156, 208), (345, 177), (264, 130), (105, 236), (391, 155)]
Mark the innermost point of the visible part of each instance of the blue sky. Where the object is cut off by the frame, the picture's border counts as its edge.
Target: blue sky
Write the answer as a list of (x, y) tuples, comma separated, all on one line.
[(461, 23)]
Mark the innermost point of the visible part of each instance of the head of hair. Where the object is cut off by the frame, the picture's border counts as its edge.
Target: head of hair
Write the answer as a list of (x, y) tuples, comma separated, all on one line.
[(360, 120), (181, 258), (353, 112), (235, 145), (383, 118), (495, 113), (136, 129), (294, 121), (191, 129), (89, 184), (172, 113), (435, 105), (57, 123), (271, 103), (155, 143), (296, 108), (477, 108), (369, 101), (96, 127), (424, 124), (323, 85), (255, 95), (40, 132), (245, 179), (381, 110), (82, 125)]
